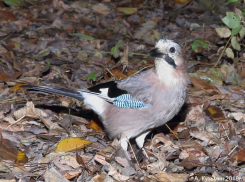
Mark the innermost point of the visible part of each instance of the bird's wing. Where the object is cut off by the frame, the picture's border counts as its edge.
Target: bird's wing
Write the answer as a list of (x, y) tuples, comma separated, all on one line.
[(109, 89), (134, 88), (133, 92), (139, 86)]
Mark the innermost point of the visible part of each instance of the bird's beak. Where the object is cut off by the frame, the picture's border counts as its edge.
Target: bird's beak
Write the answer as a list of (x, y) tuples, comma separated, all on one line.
[(156, 53)]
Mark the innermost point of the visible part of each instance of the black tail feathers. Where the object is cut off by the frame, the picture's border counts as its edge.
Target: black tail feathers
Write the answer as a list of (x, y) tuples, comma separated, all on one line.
[(59, 91)]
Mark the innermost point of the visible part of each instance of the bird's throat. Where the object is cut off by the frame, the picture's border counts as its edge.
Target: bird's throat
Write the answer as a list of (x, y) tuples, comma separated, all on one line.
[(165, 72)]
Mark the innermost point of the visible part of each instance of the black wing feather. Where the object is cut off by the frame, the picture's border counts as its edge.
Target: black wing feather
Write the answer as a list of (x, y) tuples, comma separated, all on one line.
[(113, 91)]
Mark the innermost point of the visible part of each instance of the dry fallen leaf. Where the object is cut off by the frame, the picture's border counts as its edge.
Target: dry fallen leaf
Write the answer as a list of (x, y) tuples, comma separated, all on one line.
[(216, 113), (122, 161), (159, 165), (199, 83), (127, 10), (167, 177), (7, 15), (161, 138), (30, 111), (16, 88), (239, 157), (238, 116), (196, 116), (190, 162), (101, 8), (9, 152), (95, 124), (124, 58), (71, 144), (54, 128), (223, 32), (5, 76), (35, 72), (205, 136), (112, 171), (52, 175)]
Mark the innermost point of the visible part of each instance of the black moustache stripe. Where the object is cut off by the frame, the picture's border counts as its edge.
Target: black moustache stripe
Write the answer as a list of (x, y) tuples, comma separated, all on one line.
[(170, 61), (157, 54)]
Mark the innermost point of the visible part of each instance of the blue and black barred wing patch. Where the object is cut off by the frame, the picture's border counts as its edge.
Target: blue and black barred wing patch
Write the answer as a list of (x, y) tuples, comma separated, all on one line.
[(126, 101)]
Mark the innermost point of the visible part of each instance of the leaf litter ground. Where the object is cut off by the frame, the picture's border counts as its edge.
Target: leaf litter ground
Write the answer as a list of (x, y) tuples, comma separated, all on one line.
[(76, 44)]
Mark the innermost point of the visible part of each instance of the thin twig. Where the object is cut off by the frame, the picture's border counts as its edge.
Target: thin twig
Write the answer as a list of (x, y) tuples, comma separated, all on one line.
[(223, 51), (134, 155)]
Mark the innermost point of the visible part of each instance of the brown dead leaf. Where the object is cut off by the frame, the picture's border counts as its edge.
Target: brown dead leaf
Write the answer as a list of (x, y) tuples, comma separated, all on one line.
[(200, 84), (112, 171), (239, 157), (205, 136), (64, 162), (65, 101), (191, 152), (16, 75), (165, 177), (8, 151), (7, 15), (216, 152), (99, 178), (5, 76), (190, 162), (238, 116), (30, 111), (131, 72), (101, 8), (159, 165), (10, 119), (80, 159), (161, 138), (196, 116), (192, 144), (124, 58), (117, 73), (17, 65), (218, 96), (53, 175), (184, 133), (35, 72), (28, 80), (4, 92), (122, 161), (95, 124), (215, 113), (54, 128)]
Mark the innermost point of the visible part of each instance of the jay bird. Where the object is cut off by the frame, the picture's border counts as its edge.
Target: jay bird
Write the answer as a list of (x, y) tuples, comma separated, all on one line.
[(132, 107)]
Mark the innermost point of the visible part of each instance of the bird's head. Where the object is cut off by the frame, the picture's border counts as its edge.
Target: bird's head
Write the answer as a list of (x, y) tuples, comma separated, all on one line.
[(169, 61)]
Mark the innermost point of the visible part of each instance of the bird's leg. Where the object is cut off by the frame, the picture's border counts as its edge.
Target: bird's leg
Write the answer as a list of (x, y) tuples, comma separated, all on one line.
[(124, 144), (140, 142)]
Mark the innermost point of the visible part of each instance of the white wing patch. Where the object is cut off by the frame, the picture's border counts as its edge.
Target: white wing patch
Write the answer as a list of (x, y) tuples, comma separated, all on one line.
[(94, 102), (104, 91)]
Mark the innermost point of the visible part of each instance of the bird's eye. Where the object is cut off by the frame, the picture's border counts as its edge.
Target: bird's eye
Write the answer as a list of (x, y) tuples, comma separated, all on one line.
[(172, 50)]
